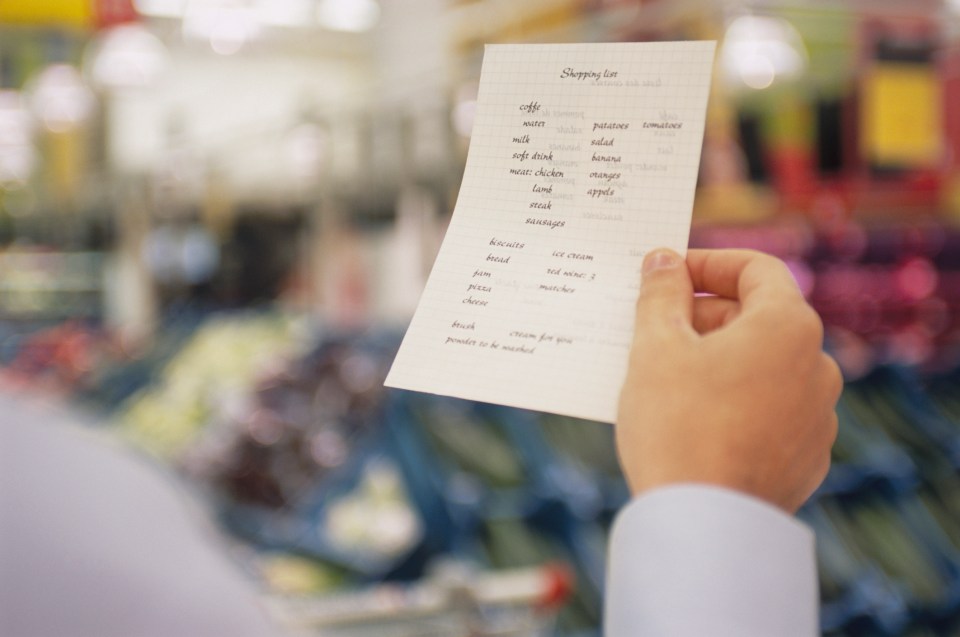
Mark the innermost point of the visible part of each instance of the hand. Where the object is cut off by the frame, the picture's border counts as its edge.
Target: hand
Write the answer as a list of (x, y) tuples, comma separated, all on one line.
[(732, 389)]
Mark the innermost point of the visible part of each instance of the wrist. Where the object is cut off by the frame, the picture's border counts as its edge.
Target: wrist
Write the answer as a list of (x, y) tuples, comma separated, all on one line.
[(727, 484)]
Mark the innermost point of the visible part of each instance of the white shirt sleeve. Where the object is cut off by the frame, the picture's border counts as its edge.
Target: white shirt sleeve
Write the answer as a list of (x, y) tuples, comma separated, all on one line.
[(96, 543), (697, 560)]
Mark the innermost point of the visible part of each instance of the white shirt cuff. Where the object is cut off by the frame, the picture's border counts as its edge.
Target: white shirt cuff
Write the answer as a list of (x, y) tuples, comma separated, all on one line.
[(695, 560)]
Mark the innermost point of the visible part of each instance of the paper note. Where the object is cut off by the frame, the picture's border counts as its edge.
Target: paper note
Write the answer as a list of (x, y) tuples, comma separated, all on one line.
[(583, 157)]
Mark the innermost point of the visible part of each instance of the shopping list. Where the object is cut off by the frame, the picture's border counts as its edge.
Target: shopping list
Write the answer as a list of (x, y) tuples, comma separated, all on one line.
[(583, 157)]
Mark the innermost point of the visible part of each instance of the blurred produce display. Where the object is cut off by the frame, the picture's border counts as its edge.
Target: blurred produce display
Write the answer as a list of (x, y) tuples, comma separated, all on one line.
[(208, 377), (60, 357), (334, 483)]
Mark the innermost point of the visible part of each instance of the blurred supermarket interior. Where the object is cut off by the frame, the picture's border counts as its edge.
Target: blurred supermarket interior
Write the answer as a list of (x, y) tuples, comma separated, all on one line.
[(216, 217)]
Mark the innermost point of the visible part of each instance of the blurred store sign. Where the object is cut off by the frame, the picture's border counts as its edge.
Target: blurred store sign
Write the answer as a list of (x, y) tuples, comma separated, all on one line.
[(113, 12), (902, 105), (70, 13)]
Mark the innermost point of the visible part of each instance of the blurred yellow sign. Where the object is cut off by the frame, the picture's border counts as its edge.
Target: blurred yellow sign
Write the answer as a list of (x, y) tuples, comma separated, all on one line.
[(902, 115), (77, 13)]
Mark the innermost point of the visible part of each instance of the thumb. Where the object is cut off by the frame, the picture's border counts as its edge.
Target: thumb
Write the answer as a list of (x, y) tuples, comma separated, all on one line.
[(665, 304)]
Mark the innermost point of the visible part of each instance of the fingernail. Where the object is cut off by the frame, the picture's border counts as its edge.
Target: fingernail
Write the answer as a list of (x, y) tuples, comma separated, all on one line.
[(660, 260)]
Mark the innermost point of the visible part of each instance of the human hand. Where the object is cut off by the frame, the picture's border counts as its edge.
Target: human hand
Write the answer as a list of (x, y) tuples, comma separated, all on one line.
[(733, 389)]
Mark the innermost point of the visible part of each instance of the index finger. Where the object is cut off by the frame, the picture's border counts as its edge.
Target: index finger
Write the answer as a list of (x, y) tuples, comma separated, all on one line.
[(743, 275)]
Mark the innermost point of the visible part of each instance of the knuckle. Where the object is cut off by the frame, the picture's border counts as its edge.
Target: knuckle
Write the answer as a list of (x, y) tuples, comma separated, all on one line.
[(774, 262), (767, 261), (821, 467), (757, 255), (817, 472), (831, 431), (833, 376), (651, 288), (824, 469), (798, 324), (811, 323), (803, 325)]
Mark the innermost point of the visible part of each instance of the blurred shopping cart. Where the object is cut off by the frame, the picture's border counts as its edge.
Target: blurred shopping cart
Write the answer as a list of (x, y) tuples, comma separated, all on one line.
[(455, 601)]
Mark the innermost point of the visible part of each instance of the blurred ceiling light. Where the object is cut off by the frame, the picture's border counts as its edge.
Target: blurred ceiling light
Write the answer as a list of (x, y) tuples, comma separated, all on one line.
[(161, 8), (226, 24), (757, 50), (286, 13), (17, 154), (126, 56), (60, 99), (348, 15)]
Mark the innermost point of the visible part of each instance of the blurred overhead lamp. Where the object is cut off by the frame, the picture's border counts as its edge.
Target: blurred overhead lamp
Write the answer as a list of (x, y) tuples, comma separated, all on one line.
[(227, 24), (757, 50), (60, 99), (286, 13), (348, 15), (283, 13), (127, 56)]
